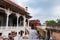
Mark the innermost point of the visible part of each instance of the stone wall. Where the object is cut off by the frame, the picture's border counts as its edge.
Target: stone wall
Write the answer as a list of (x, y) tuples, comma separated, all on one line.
[(54, 32)]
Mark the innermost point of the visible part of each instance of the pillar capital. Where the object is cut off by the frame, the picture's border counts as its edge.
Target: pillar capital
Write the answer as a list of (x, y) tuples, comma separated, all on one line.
[(24, 17), (2, 8), (18, 15), (8, 12)]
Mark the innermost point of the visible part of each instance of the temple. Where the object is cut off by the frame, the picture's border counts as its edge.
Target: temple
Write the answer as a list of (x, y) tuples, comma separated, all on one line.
[(13, 16)]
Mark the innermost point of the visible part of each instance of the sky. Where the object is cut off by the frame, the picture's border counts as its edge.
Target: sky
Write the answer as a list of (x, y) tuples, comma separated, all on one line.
[(41, 9)]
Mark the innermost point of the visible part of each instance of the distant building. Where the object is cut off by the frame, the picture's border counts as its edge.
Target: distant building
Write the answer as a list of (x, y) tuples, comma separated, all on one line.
[(54, 31), (34, 23)]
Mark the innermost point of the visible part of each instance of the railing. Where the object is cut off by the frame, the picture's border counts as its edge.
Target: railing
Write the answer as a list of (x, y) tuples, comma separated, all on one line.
[(12, 28), (5, 30)]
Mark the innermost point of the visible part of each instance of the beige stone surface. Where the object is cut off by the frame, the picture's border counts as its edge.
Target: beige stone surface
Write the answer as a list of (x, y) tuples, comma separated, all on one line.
[(56, 35)]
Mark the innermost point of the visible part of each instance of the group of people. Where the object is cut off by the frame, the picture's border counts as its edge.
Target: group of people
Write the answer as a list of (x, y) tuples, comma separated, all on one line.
[(10, 36), (13, 35), (22, 34)]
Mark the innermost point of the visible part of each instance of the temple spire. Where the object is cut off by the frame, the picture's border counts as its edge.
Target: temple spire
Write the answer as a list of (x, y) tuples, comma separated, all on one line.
[(26, 8)]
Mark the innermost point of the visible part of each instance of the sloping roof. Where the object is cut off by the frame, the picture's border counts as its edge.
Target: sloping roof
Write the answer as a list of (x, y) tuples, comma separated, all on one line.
[(14, 7)]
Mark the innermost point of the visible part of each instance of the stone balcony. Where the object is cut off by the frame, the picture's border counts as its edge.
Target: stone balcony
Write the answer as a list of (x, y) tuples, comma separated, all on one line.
[(4, 28)]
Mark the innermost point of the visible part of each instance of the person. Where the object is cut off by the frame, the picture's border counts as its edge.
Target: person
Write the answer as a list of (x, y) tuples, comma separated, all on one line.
[(16, 36), (52, 38), (33, 34), (21, 33), (1, 38), (26, 36), (5, 39), (10, 36)]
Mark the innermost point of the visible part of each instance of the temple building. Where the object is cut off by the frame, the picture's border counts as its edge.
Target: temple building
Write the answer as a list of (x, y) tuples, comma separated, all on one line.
[(13, 15)]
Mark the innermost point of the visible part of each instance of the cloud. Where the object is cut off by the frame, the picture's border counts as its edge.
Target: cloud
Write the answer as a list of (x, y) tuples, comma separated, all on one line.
[(21, 2), (56, 11), (41, 9), (34, 10)]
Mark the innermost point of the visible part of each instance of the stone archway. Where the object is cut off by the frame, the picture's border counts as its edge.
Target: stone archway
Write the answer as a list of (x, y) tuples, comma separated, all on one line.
[(12, 20), (3, 17), (21, 21)]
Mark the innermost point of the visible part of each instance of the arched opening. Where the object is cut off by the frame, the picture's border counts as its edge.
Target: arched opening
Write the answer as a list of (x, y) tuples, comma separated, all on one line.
[(26, 22), (12, 20), (20, 21), (3, 17)]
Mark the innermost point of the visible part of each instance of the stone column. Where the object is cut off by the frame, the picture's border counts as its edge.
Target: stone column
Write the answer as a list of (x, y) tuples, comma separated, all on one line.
[(24, 21), (18, 15), (7, 20), (8, 13), (24, 24)]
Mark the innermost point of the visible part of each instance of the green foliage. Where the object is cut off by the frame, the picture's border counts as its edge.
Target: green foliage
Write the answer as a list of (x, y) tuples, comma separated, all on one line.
[(50, 22)]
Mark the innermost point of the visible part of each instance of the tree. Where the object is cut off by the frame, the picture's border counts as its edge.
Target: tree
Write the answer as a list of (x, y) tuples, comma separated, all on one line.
[(50, 22)]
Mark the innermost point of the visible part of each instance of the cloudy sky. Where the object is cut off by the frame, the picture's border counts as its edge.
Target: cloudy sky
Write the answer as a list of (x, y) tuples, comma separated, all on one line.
[(41, 9)]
